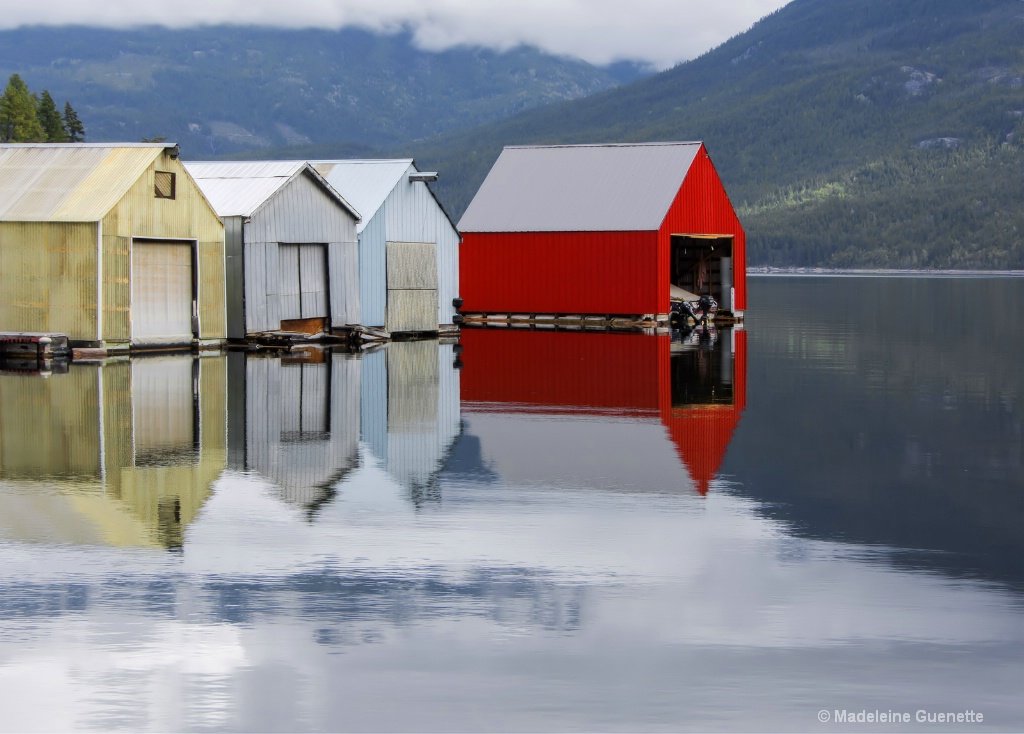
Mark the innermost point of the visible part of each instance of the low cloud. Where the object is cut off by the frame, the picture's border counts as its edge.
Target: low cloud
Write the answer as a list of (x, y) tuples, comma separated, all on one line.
[(660, 33)]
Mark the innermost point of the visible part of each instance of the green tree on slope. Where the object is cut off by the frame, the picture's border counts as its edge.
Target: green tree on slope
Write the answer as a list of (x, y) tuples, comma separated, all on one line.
[(72, 125), (19, 122), (50, 119)]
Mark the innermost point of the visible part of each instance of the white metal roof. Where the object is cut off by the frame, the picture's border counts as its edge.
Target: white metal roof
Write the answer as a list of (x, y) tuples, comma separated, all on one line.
[(240, 188), (366, 183), (580, 188), (71, 182)]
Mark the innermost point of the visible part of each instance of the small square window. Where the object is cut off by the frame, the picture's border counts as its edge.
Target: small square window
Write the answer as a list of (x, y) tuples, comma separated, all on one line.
[(163, 185)]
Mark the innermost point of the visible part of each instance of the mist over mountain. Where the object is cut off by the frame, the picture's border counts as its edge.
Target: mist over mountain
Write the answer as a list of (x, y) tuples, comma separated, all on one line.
[(849, 133), (229, 89), (871, 133)]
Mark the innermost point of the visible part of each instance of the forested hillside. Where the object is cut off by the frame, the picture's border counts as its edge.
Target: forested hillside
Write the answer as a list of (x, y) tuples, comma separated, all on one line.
[(223, 89), (848, 132)]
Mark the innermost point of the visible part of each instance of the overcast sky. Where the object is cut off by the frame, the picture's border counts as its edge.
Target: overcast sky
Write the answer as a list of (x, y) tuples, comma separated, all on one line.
[(658, 32)]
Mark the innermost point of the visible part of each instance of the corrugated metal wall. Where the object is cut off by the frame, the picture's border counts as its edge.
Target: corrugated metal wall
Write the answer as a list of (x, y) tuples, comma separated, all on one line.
[(48, 278), (598, 272), (186, 217), (561, 272), (234, 275), (409, 214), (300, 213), (702, 206)]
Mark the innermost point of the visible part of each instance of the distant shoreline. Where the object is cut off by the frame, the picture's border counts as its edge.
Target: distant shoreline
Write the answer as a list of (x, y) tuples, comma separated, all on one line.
[(764, 271)]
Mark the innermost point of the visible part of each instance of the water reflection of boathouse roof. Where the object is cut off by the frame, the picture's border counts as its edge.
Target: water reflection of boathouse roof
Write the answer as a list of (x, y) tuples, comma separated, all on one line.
[(609, 410)]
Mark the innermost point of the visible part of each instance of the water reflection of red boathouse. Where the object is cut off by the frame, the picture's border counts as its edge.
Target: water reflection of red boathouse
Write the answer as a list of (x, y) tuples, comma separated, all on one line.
[(697, 394)]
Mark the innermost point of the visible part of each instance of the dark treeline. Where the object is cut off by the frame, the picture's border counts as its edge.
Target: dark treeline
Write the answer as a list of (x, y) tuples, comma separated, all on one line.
[(26, 117)]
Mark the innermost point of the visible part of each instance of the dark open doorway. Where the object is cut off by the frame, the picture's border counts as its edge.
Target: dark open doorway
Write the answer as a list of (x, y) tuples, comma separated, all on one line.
[(702, 265)]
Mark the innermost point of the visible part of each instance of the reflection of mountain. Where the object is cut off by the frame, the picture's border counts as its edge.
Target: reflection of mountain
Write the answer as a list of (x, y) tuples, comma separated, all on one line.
[(295, 421), (889, 412), (120, 454), (410, 411), (605, 410)]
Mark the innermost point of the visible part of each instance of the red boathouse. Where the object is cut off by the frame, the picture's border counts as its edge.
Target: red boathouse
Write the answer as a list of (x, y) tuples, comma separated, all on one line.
[(601, 229)]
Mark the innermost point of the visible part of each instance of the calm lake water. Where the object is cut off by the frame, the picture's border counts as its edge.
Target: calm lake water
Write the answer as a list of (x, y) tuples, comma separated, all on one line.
[(820, 515)]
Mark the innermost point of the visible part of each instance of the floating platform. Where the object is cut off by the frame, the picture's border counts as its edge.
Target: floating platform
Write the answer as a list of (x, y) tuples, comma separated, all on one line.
[(25, 344)]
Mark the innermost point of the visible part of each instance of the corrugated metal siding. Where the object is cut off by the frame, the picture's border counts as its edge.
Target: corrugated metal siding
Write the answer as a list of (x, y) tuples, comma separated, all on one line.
[(301, 212), (396, 209), (365, 184), (413, 215), (234, 276), (48, 278), (262, 287), (186, 217), (561, 272), (77, 182), (373, 271), (702, 206), (162, 292), (579, 188)]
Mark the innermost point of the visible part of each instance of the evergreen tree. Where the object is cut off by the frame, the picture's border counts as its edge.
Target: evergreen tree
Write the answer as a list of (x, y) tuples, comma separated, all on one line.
[(19, 122), (50, 119), (72, 125)]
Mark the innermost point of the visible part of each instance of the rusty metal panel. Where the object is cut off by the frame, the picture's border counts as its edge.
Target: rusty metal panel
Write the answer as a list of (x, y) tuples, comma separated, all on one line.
[(411, 310), (412, 265)]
